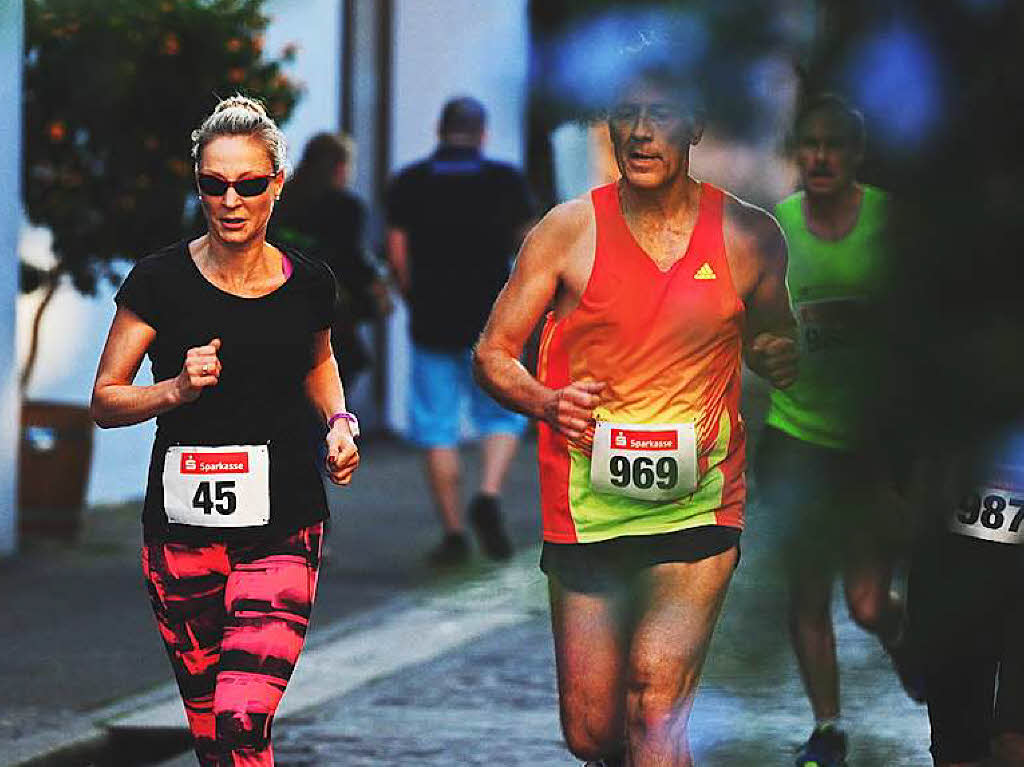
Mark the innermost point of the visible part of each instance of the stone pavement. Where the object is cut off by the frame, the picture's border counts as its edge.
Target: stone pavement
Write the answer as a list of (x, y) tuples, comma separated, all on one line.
[(79, 639), (491, 699), (404, 667)]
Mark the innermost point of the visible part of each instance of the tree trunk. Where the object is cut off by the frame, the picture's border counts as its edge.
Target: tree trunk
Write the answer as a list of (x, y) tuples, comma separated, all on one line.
[(51, 285)]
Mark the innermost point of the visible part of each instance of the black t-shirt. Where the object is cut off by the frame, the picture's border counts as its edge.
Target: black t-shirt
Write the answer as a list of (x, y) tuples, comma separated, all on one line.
[(462, 215), (266, 351)]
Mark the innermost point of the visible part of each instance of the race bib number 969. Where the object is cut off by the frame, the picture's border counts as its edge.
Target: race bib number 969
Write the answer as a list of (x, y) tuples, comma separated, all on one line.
[(217, 486), (651, 462), (991, 514)]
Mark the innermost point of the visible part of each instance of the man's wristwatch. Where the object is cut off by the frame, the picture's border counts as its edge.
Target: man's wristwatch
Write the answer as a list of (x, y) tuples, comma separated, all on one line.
[(350, 417)]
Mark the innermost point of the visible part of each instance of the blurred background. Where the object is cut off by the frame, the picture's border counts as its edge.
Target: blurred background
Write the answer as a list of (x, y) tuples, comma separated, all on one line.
[(100, 98), (96, 172)]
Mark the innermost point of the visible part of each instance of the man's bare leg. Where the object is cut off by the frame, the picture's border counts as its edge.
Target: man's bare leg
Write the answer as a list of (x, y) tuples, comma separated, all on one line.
[(498, 452), (867, 581), (813, 637), (590, 655), (443, 474), (1008, 750), (680, 603)]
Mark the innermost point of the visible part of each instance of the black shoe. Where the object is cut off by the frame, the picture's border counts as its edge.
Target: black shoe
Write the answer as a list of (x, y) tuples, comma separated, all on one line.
[(451, 552), (825, 748), (485, 515)]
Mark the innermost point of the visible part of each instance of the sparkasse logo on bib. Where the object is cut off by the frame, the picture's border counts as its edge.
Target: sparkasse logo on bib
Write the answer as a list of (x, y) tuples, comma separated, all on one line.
[(625, 439), (214, 463)]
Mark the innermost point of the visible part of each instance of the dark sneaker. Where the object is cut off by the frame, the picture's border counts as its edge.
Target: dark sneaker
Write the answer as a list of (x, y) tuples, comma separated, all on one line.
[(451, 552), (485, 516), (825, 748)]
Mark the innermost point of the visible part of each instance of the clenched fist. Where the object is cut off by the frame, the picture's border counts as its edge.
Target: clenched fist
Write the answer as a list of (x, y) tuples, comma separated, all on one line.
[(342, 453), (571, 409), (201, 369), (774, 358)]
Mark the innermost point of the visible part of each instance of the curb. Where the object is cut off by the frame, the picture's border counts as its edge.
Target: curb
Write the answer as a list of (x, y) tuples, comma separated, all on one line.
[(84, 746), (151, 726)]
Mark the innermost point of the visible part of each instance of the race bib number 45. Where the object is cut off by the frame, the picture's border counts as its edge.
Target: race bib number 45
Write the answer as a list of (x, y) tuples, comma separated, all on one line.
[(651, 462), (991, 514), (217, 486)]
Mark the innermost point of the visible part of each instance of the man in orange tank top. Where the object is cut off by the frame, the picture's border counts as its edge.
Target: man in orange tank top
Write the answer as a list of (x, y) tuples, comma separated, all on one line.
[(659, 284)]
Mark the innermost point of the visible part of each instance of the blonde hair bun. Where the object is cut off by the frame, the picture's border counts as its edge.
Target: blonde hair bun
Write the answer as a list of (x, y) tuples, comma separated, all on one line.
[(238, 101), (240, 115)]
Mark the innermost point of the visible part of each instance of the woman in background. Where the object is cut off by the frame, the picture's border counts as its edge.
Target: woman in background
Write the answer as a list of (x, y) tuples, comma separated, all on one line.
[(320, 216)]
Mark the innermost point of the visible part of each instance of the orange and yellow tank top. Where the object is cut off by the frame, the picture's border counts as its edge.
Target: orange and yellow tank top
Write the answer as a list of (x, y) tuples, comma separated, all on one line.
[(668, 345)]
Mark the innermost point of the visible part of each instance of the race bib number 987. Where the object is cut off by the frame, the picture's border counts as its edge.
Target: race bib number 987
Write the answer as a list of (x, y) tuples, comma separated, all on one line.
[(217, 486), (651, 462), (991, 514)]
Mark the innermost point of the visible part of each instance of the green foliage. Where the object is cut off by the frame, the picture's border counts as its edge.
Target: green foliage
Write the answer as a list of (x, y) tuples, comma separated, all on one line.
[(112, 92)]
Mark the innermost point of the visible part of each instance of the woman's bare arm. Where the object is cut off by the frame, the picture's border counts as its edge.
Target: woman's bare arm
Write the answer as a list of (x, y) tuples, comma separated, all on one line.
[(117, 401)]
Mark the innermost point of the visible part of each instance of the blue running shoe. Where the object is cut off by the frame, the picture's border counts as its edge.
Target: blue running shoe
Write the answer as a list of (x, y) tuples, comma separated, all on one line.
[(825, 748)]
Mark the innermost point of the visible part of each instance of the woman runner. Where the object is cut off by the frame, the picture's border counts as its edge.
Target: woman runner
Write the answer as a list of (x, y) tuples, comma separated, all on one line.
[(238, 333)]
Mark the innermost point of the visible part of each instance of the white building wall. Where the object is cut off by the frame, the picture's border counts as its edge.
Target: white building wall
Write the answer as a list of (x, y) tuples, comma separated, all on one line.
[(10, 220), (443, 49), (315, 27), (366, 88)]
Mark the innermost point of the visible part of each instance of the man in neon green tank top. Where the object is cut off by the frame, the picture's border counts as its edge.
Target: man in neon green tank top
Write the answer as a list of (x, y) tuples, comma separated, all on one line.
[(815, 467)]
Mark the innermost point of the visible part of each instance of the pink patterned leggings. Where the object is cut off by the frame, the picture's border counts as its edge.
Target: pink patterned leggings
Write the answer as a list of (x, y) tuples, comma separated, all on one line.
[(233, 618)]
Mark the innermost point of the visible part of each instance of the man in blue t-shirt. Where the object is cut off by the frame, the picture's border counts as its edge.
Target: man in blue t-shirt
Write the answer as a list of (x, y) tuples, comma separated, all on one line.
[(455, 220)]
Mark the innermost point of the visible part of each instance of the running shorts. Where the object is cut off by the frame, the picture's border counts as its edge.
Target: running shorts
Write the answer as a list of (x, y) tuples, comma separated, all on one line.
[(607, 565)]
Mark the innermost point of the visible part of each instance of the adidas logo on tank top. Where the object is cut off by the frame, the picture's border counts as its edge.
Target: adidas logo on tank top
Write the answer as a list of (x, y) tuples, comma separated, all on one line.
[(705, 273)]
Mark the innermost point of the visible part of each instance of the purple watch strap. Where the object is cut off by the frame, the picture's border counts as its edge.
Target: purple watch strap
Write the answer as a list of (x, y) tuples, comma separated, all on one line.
[(347, 416)]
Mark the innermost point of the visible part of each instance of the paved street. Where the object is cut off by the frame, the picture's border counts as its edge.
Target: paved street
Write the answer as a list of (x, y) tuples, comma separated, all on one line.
[(491, 699), (404, 666), (80, 640)]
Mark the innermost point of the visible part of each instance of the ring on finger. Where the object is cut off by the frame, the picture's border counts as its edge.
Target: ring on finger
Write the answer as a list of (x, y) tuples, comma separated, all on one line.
[(206, 369)]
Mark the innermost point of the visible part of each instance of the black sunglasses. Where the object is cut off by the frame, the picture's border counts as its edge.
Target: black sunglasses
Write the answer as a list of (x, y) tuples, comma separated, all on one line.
[(246, 187)]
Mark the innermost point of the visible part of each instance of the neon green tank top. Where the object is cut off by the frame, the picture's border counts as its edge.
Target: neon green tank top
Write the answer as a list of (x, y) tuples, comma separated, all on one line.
[(832, 286)]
